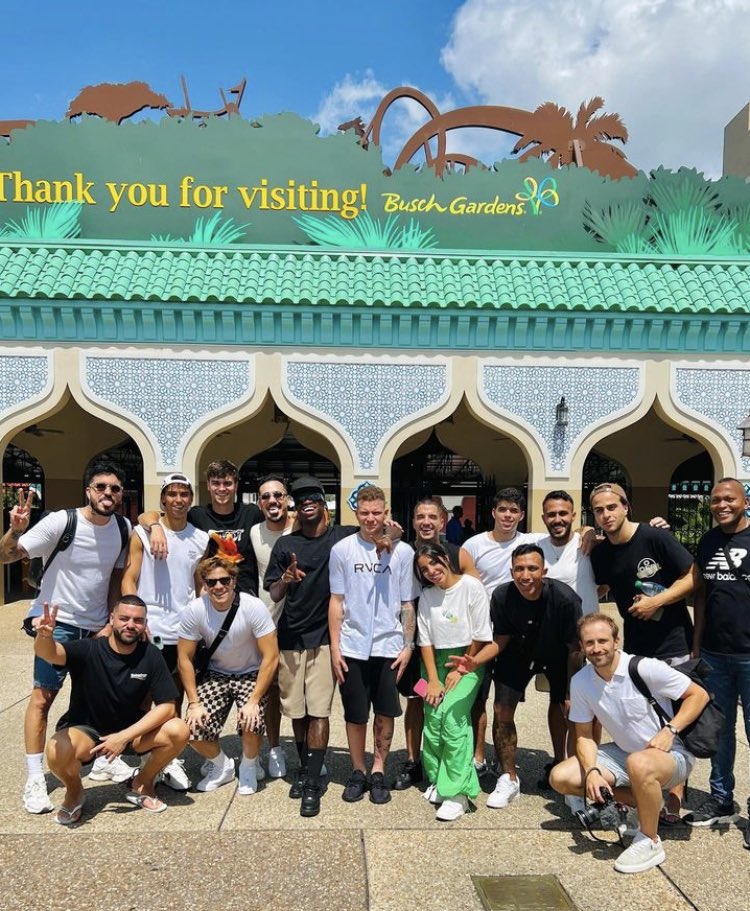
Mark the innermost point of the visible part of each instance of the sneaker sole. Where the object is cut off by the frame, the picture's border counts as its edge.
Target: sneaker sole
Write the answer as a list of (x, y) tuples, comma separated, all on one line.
[(115, 779), (714, 821), (502, 806), (174, 785), (646, 865), (48, 809), (214, 786)]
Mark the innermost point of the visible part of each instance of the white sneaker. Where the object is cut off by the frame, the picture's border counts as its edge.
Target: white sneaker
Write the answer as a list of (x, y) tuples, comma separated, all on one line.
[(641, 855), (174, 776), (276, 763), (35, 797), (117, 770), (250, 774), (506, 791), (220, 771), (432, 796), (452, 808)]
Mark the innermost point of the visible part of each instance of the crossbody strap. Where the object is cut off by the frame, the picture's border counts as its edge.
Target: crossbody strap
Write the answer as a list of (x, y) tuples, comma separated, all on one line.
[(642, 687), (63, 543), (224, 626)]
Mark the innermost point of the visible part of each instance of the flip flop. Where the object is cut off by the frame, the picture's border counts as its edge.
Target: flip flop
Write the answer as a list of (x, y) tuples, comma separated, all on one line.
[(145, 802), (66, 817), (666, 818)]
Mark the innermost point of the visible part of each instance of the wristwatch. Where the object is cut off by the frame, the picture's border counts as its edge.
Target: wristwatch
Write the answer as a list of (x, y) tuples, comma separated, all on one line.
[(672, 728)]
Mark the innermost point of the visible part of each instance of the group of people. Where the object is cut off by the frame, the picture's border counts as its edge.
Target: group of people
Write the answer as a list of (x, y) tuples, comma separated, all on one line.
[(231, 604)]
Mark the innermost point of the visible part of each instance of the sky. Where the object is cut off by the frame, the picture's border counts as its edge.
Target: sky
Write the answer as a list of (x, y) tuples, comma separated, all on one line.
[(676, 71)]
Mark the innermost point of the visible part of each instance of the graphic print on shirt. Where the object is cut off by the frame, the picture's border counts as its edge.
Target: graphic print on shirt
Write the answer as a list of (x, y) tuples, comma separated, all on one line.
[(717, 569), (647, 568)]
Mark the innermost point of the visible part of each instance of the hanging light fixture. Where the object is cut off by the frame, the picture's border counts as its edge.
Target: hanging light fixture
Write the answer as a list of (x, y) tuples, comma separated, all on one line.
[(561, 413)]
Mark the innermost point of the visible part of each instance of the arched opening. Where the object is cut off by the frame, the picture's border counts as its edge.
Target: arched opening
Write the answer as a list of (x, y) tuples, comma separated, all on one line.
[(127, 457), (463, 461), (21, 471), (689, 495), (597, 469), (648, 454)]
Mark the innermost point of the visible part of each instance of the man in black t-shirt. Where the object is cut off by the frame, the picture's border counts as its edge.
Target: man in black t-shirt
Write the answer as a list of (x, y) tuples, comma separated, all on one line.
[(298, 571), (657, 626), (112, 678), (535, 627), (722, 633), (224, 516)]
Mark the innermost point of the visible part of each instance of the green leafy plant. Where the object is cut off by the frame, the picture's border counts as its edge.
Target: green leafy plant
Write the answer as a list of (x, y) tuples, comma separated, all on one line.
[(694, 231), (50, 222), (213, 232), (685, 190), (367, 232), (616, 224)]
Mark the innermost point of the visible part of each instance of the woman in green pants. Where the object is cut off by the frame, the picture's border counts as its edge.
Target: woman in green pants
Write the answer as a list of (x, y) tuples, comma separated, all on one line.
[(454, 618)]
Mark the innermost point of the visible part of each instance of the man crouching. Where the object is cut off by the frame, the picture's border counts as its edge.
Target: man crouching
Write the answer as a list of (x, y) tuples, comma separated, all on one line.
[(113, 677), (645, 758)]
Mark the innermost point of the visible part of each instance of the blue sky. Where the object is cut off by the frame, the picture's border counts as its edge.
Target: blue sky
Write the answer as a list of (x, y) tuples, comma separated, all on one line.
[(676, 72)]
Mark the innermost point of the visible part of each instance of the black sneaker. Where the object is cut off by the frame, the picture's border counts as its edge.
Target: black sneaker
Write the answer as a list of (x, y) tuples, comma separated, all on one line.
[(379, 790), (746, 836), (355, 787), (710, 812), (410, 775), (310, 805), (295, 792)]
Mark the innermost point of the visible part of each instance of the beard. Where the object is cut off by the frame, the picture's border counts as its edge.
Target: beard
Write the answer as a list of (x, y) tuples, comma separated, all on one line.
[(125, 638)]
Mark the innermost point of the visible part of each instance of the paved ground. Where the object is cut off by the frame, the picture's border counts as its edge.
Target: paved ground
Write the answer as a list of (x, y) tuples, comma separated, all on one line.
[(221, 851)]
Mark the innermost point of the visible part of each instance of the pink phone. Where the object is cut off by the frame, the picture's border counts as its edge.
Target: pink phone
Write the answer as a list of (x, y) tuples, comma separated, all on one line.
[(420, 687)]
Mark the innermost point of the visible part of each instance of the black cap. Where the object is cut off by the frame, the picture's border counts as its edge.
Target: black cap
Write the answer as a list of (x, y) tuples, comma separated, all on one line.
[(306, 484)]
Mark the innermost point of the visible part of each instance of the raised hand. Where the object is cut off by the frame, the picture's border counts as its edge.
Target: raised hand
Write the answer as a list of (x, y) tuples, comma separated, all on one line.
[(45, 625), (20, 515), (293, 573)]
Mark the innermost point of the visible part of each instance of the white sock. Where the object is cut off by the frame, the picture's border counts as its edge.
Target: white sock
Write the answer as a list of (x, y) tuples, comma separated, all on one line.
[(253, 761), (34, 765)]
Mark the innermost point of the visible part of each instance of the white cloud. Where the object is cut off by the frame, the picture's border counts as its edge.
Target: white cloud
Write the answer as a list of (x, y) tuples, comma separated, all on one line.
[(675, 70)]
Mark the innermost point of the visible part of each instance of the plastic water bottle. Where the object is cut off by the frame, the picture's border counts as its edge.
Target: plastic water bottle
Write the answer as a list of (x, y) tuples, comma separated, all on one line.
[(649, 589)]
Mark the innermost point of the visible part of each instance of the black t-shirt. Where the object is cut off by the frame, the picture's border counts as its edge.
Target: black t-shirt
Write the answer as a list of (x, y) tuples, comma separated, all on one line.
[(543, 630), (303, 622), (109, 690), (237, 525), (651, 555), (727, 597)]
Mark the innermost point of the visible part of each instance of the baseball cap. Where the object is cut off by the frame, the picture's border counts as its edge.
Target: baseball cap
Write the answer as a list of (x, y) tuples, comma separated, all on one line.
[(176, 478), (306, 484), (607, 487)]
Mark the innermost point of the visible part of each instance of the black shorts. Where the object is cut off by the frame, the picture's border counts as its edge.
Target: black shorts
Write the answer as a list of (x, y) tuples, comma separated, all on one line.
[(410, 676), (513, 674), (484, 687), (169, 654), (369, 683), (94, 735)]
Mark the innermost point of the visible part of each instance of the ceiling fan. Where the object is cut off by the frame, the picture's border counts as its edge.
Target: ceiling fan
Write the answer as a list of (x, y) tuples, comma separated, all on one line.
[(36, 431), (682, 438)]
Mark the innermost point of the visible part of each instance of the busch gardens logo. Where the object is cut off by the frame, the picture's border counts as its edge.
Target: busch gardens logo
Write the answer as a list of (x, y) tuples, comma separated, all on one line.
[(532, 198)]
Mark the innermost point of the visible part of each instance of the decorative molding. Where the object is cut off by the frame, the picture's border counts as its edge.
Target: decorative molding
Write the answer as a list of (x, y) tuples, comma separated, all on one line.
[(367, 401), (595, 395), (718, 395), (24, 380), (169, 398)]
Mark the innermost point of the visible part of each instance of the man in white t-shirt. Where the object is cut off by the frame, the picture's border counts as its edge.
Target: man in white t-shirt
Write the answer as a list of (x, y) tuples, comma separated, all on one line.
[(645, 758), (372, 627), (83, 582), (273, 499), (239, 673), (564, 557), (168, 586)]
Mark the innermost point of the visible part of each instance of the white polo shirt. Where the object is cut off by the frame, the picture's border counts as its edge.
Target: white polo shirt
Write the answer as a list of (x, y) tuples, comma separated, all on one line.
[(374, 588), (623, 711)]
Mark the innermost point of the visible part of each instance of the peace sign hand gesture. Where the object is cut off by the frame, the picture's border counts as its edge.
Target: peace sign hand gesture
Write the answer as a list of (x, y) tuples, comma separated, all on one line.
[(45, 625), (20, 515)]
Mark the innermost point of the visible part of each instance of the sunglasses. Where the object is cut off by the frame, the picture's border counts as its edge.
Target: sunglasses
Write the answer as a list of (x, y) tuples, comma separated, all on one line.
[(224, 580), (101, 488), (274, 495), (310, 497)]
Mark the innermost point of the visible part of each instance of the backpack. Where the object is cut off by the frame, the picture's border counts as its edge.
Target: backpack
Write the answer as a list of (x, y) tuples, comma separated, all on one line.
[(37, 566), (701, 737)]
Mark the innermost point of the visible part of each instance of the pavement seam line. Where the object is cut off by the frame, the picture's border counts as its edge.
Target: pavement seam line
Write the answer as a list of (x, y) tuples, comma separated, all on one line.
[(363, 843), (226, 812), (679, 889)]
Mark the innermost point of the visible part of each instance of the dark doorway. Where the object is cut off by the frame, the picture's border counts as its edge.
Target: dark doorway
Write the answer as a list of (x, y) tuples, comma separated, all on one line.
[(598, 469), (689, 494), (21, 471), (128, 457)]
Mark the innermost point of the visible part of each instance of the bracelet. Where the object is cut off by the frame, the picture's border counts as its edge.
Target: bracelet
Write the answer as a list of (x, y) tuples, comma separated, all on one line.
[(197, 702), (593, 768)]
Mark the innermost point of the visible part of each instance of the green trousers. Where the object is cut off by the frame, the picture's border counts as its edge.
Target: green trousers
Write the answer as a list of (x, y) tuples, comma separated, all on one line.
[(448, 742)]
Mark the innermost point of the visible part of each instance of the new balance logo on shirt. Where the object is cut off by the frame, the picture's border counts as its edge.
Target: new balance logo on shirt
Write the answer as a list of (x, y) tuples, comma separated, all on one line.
[(718, 570)]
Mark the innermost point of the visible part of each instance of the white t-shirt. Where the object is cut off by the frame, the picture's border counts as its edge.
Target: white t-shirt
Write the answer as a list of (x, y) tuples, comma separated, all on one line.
[(492, 558), (168, 586), (374, 587), (238, 653), (623, 711), (454, 617), (263, 540), (77, 581), (569, 565)]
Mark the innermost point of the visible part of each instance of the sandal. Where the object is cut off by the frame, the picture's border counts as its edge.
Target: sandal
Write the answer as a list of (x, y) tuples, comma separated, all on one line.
[(146, 802), (66, 817), (669, 819)]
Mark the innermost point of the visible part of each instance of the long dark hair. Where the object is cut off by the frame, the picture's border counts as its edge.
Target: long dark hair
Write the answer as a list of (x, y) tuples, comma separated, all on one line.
[(432, 551)]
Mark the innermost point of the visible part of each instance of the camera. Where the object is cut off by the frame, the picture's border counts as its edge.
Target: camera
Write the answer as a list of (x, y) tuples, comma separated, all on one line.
[(589, 815)]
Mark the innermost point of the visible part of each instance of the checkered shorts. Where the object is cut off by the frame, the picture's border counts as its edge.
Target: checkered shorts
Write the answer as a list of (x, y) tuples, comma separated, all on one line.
[(218, 693)]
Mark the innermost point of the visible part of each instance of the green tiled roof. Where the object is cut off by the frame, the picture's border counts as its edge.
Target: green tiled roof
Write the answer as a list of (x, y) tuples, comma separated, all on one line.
[(153, 273)]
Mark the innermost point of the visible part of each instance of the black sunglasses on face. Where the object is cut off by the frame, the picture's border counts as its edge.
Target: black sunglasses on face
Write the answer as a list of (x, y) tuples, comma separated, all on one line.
[(274, 495), (309, 497), (100, 488), (225, 580)]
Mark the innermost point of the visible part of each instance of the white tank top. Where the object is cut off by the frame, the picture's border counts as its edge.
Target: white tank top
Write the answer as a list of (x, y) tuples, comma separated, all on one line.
[(263, 541)]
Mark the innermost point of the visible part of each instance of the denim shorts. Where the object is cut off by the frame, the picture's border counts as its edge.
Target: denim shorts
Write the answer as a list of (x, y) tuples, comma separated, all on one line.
[(52, 676), (612, 758)]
